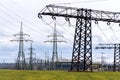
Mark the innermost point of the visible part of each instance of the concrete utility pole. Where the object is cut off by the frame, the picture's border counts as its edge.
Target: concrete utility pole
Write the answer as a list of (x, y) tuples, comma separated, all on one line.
[(55, 41), (21, 62)]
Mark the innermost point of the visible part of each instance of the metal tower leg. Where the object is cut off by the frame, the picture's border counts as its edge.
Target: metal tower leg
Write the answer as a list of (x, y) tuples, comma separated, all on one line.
[(21, 63), (82, 47)]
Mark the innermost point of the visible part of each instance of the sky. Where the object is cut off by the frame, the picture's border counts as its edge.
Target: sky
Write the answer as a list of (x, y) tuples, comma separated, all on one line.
[(12, 12)]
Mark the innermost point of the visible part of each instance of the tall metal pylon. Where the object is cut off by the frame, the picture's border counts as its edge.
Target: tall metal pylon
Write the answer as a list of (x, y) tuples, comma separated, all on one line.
[(21, 62), (31, 61), (55, 41), (47, 64), (116, 47)]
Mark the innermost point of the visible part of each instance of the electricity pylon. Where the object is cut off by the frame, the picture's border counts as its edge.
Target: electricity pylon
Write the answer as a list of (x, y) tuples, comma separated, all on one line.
[(31, 61), (116, 47), (47, 64), (21, 62), (55, 41)]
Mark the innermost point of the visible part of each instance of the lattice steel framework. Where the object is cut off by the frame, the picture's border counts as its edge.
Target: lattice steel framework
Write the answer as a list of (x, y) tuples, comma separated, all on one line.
[(116, 47), (82, 52), (82, 47), (55, 40), (31, 61), (21, 62)]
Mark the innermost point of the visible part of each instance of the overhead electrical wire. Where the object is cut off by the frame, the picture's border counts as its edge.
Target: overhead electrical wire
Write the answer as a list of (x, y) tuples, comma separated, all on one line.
[(53, 28), (116, 30), (110, 27), (57, 31), (67, 21), (113, 31), (28, 22), (23, 19), (46, 23), (20, 17), (106, 28), (8, 21), (66, 29), (59, 24), (85, 1), (16, 20), (9, 15), (103, 33), (114, 35)]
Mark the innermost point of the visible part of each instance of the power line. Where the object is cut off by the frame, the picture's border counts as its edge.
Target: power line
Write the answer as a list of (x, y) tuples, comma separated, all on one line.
[(30, 23), (9, 15), (87, 1), (23, 19), (114, 35), (103, 33), (8, 21), (110, 27), (52, 28), (16, 20), (66, 29)]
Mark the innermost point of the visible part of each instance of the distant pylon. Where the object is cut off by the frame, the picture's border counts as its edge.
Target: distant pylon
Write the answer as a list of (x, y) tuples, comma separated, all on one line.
[(54, 41), (21, 62), (47, 64), (31, 61)]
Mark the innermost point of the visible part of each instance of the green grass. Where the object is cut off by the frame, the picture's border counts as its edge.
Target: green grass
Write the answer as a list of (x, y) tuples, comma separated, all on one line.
[(57, 75)]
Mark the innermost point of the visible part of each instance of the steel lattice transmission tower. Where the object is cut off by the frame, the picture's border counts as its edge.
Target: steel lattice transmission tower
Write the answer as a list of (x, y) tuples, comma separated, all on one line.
[(82, 47), (21, 62), (31, 61), (54, 41), (116, 47)]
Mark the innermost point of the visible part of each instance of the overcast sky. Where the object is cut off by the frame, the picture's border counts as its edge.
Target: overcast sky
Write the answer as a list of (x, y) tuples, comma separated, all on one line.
[(12, 12)]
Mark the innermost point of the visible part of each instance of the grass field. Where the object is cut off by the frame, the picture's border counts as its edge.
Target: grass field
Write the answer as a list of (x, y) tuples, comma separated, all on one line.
[(57, 75)]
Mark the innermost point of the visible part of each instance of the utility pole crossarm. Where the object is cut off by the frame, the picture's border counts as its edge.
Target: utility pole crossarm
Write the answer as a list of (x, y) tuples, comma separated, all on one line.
[(55, 41), (17, 40), (70, 12), (24, 34), (56, 35), (106, 46)]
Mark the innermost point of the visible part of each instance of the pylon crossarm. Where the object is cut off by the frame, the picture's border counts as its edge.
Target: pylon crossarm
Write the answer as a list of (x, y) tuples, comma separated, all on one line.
[(70, 12)]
